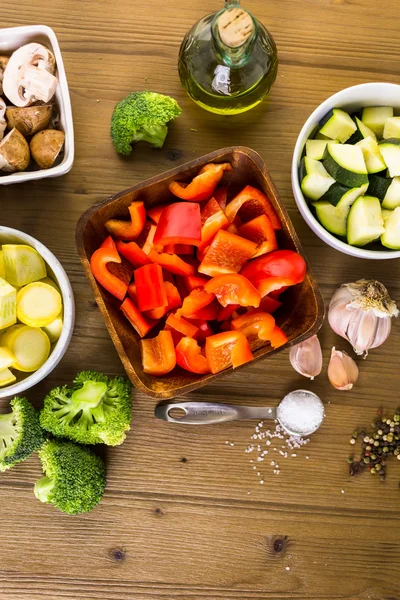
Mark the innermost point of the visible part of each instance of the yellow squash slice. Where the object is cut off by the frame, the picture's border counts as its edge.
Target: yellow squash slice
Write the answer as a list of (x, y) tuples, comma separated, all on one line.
[(51, 282), (6, 377), (29, 345), (22, 264), (8, 304), (2, 271), (38, 304), (7, 358), (54, 329)]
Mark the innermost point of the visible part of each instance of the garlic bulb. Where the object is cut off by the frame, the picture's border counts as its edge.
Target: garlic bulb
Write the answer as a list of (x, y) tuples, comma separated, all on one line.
[(306, 357), (361, 313), (342, 370)]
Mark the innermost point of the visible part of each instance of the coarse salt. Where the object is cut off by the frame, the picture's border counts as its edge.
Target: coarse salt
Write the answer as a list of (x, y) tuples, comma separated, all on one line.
[(300, 412)]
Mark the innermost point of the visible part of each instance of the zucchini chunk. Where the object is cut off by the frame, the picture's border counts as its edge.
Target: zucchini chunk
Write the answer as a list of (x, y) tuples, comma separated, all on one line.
[(390, 150), (315, 179), (372, 156), (337, 125), (315, 149), (385, 215), (329, 217), (391, 237), (375, 117), (362, 132), (346, 164), (364, 223), (387, 190), (392, 128)]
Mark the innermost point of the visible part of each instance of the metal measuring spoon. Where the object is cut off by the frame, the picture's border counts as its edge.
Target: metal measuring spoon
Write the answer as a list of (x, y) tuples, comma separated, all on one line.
[(207, 413)]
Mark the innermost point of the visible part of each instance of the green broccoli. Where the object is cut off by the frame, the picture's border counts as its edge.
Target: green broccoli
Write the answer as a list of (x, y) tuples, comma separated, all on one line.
[(20, 433), (142, 116), (95, 410), (75, 477)]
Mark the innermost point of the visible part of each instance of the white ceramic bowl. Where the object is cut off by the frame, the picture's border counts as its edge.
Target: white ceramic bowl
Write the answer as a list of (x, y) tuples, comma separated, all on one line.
[(12, 38), (351, 99), (56, 272)]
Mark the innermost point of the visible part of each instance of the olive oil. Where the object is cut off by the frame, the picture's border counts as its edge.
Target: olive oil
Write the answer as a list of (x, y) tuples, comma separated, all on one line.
[(228, 61)]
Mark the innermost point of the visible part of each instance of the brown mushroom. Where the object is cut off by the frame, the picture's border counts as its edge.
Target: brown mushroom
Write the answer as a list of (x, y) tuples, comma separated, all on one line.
[(3, 63), (3, 123), (29, 119), (46, 146), (14, 152), (29, 75)]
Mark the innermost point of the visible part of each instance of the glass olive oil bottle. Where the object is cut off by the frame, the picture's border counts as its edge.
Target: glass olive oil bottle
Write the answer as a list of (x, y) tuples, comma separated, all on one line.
[(228, 61)]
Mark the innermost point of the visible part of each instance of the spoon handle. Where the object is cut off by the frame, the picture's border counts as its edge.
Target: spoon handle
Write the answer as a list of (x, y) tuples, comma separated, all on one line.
[(207, 413)]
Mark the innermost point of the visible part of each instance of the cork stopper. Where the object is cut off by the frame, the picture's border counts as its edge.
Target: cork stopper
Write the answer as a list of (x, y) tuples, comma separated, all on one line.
[(235, 26)]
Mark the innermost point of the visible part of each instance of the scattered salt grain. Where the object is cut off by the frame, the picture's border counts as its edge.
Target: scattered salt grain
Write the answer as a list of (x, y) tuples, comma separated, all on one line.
[(287, 568), (231, 444)]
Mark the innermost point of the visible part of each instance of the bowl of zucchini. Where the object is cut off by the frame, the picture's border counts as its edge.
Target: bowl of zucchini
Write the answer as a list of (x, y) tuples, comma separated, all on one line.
[(37, 312), (346, 171)]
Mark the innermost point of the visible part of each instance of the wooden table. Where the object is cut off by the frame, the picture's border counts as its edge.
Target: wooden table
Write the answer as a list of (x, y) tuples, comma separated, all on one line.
[(184, 515)]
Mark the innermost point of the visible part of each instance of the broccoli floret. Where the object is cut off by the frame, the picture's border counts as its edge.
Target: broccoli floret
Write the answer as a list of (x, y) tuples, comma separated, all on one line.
[(20, 433), (75, 477), (142, 116), (95, 410)]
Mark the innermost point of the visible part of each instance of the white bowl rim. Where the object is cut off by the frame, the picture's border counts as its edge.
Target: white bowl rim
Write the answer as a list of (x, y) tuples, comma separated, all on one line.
[(302, 204), (69, 314)]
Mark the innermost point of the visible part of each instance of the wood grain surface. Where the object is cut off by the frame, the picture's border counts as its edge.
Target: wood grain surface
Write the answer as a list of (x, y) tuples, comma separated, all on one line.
[(184, 515)]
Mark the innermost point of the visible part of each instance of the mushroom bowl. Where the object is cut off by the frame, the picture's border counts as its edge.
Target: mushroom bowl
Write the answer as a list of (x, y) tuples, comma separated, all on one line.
[(32, 82)]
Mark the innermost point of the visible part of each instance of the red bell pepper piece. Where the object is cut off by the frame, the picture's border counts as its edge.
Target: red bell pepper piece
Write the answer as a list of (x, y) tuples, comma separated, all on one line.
[(220, 195), (207, 313), (197, 299), (148, 245), (278, 337), (226, 312), (202, 186), (272, 285), (180, 327), (99, 267), (201, 252), (132, 253), (234, 228), (154, 213), (227, 254), (260, 230), (255, 323), (226, 349), (233, 289), (174, 302), (179, 224), (158, 354), (171, 263), (150, 288), (269, 304), (141, 324), (108, 243), (179, 249), (204, 329), (281, 263), (190, 358), (195, 281), (128, 230), (132, 292), (213, 219), (122, 270), (251, 203)]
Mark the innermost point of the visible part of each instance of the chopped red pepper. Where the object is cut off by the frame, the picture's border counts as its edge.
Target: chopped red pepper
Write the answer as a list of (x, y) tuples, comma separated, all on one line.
[(211, 208), (154, 213), (98, 265), (174, 301), (203, 185), (201, 252), (132, 253), (122, 270), (226, 312), (180, 327), (251, 203), (227, 253), (208, 313), (150, 288), (226, 349), (269, 304), (179, 224), (158, 354), (190, 358), (278, 337), (171, 263), (148, 245), (220, 195), (128, 230), (195, 281), (197, 299), (108, 243), (132, 292), (260, 230), (233, 289), (135, 318), (178, 249), (255, 323), (281, 263), (213, 219), (234, 228), (271, 285), (204, 329)]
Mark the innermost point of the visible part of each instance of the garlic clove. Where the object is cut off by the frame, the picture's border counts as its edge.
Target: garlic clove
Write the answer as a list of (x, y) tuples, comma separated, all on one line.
[(361, 331), (342, 370), (306, 357)]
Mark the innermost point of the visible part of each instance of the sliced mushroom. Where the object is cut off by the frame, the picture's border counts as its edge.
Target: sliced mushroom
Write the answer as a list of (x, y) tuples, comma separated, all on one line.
[(29, 75), (46, 146), (3, 123), (29, 119), (3, 63), (14, 152)]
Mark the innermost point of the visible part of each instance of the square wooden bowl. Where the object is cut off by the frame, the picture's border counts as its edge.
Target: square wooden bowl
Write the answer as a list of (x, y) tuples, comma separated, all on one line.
[(301, 315)]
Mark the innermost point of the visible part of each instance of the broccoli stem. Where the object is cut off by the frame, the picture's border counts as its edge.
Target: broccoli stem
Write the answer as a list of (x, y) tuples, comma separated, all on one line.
[(43, 488), (154, 135), (7, 429), (90, 394)]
